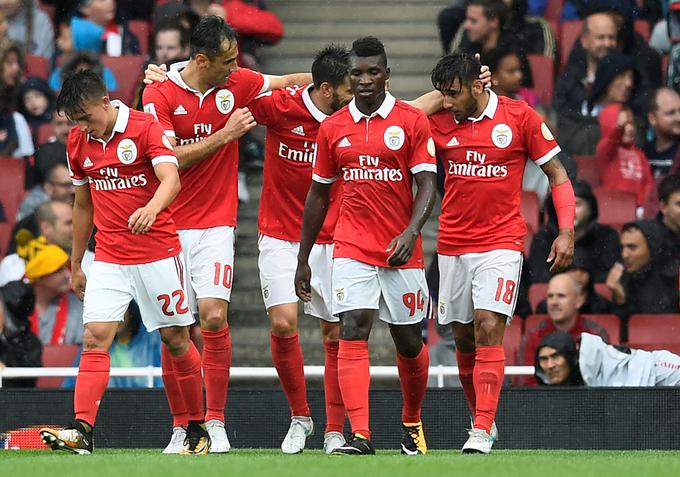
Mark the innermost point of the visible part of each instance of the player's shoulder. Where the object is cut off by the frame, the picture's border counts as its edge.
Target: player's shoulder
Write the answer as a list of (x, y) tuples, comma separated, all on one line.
[(139, 120), (75, 137), (441, 118), (341, 116), (514, 107), (243, 78)]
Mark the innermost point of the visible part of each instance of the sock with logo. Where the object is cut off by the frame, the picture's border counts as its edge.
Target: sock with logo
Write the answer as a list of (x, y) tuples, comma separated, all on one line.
[(488, 379), (355, 379), (188, 374), (93, 376), (466, 366), (413, 373), (173, 393), (335, 409), (287, 358), (216, 366)]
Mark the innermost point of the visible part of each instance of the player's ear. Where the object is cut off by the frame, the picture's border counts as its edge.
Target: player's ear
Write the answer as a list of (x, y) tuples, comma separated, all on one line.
[(387, 72), (326, 90), (477, 87)]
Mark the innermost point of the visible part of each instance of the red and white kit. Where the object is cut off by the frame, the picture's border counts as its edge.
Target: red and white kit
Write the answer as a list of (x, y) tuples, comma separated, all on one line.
[(376, 158), (292, 121), (147, 268), (481, 230)]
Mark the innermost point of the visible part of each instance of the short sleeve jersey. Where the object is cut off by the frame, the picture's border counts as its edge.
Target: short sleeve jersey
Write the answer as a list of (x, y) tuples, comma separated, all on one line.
[(292, 121), (376, 158), (209, 195), (121, 178), (483, 159)]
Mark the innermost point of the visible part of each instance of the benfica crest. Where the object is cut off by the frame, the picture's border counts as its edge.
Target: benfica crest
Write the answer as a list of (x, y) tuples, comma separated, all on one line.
[(127, 151), (224, 99)]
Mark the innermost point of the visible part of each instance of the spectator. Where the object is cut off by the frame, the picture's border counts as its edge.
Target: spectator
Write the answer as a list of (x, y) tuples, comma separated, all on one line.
[(667, 225), (622, 165), (57, 187), (593, 302), (600, 364), (507, 77), (15, 135), (79, 61), (595, 245), (57, 316), (19, 347), (641, 284), (54, 150), (4, 27), (564, 300), (663, 115), (29, 26), (37, 103), (11, 72), (171, 43), (534, 33)]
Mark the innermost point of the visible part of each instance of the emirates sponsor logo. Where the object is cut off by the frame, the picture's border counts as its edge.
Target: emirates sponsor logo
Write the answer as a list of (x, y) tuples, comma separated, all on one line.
[(306, 154), (476, 167), (370, 170), (111, 180)]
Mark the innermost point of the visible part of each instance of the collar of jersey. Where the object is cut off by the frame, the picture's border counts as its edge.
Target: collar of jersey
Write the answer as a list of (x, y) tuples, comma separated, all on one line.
[(383, 111), (175, 77), (489, 111), (121, 120), (311, 107)]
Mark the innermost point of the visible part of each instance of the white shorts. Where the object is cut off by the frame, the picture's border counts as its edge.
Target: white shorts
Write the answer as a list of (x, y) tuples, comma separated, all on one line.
[(157, 287), (478, 281), (277, 262), (400, 295), (209, 256)]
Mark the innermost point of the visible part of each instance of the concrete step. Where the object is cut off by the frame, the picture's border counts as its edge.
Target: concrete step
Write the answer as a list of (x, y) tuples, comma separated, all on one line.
[(397, 47), (358, 11), (385, 30)]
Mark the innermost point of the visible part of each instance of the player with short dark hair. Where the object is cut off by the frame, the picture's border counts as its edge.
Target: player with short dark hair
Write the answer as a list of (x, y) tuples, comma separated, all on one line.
[(125, 173), (378, 146), (483, 142)]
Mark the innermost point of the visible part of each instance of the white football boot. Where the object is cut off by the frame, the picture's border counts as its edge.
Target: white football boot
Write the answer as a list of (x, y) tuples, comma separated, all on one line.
[(300, 428), (219, 442), (176, 443)]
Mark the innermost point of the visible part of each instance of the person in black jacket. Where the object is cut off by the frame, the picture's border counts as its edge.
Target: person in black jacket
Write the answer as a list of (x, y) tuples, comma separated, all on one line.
[(595, 244)]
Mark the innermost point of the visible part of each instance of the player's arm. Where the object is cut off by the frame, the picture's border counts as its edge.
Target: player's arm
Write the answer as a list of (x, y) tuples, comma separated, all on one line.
[(562, 250), (286, 81), (402, 245), (83, 212), (143, 218)]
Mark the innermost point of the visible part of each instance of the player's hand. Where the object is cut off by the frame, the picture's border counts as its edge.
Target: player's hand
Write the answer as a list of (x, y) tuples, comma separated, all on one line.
[(78, 282), (303, 277), (155, 74), (484, 73), (401, 247), (562, 251), (142, 219), (239, 123)]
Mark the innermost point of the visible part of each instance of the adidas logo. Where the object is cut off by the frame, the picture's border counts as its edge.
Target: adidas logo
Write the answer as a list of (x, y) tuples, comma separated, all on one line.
[(453, 142), (87, 162), (345, 142), (299, 130), (180, 110)]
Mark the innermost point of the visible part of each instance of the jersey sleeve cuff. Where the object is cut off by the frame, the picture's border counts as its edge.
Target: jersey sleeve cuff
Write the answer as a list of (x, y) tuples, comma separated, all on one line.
[(161, 159), (80, 182), (265, 84), (424, 167), (323, 180), (549, 155)]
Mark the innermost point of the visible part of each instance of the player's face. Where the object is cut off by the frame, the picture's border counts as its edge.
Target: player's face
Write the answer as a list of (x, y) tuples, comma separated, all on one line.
[(671, 211), (554, 365), (94, 118), (367, 78), (342, 95), (508, 78), (461, 100), (634, 250), (219, 69)]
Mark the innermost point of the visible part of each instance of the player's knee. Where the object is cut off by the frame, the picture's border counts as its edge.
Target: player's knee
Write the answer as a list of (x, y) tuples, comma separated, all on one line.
[(330, 332), (488, 331), (94, 340), (283, 324), (353, 330), (175, 338), (214, 319)]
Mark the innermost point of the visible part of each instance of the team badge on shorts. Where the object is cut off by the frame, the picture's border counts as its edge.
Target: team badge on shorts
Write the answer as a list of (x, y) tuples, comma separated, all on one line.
[(224, 99), (340, 294), (442, 309), (265, 292), (394, 137), (501, 135), (127, 151)]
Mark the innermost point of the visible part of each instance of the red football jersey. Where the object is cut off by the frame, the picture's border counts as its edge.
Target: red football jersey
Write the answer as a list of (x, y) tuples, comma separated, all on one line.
[(209, 196), (376, 157), (122, 179), (483, 159), (292, 121)]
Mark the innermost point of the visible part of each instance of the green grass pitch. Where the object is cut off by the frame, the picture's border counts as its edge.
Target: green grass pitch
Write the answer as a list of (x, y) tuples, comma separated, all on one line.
[(261, 462)]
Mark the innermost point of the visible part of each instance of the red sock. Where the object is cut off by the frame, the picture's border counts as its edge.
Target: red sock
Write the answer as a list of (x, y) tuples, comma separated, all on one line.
[(216, 366), (335, 409), (355, 379), (93, 376), (287, 358), (413, 374), (488, 379), (180, 418), (466, 366), (188, 374)]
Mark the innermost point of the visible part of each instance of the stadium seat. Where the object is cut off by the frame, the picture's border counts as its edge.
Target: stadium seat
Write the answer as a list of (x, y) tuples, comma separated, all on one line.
[(664, 67), (528, 239), (142, 30), (37, 66), (603, 289), (5, 234), (654, 332), (531, 321), (530, 209), (128, 70), (57, 356), (615, 207), (511, 339), (611, 323), (12, 181), (587, 170), (543, 72), (44, 133), (537, 292), (643, 29), (569, 32), (553, 10)]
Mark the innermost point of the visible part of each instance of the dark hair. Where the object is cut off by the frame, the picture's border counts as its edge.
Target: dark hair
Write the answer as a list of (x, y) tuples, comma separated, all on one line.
[(88, 58), (668, 186), (369, 46), (174, 25), (632, 227), (493, 9), (79, 88), (208, 36), (459, 66), (494, 58), (330, 65)]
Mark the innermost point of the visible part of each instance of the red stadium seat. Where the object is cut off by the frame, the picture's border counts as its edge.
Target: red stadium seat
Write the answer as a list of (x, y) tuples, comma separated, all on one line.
[(664, 67), (615, 207), (587, 170), (611, 323), (142, 30), (37, 66), (5, 234), (647, 331), (643, 29), (128, 70), (603, 289), (531, 321), (57, 356), (528, 239), (12, 181), (555, 27), (569, 32), (511, 339), (45, 132), (530, 209), (543, 72), (553, 11), (537, 292)]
